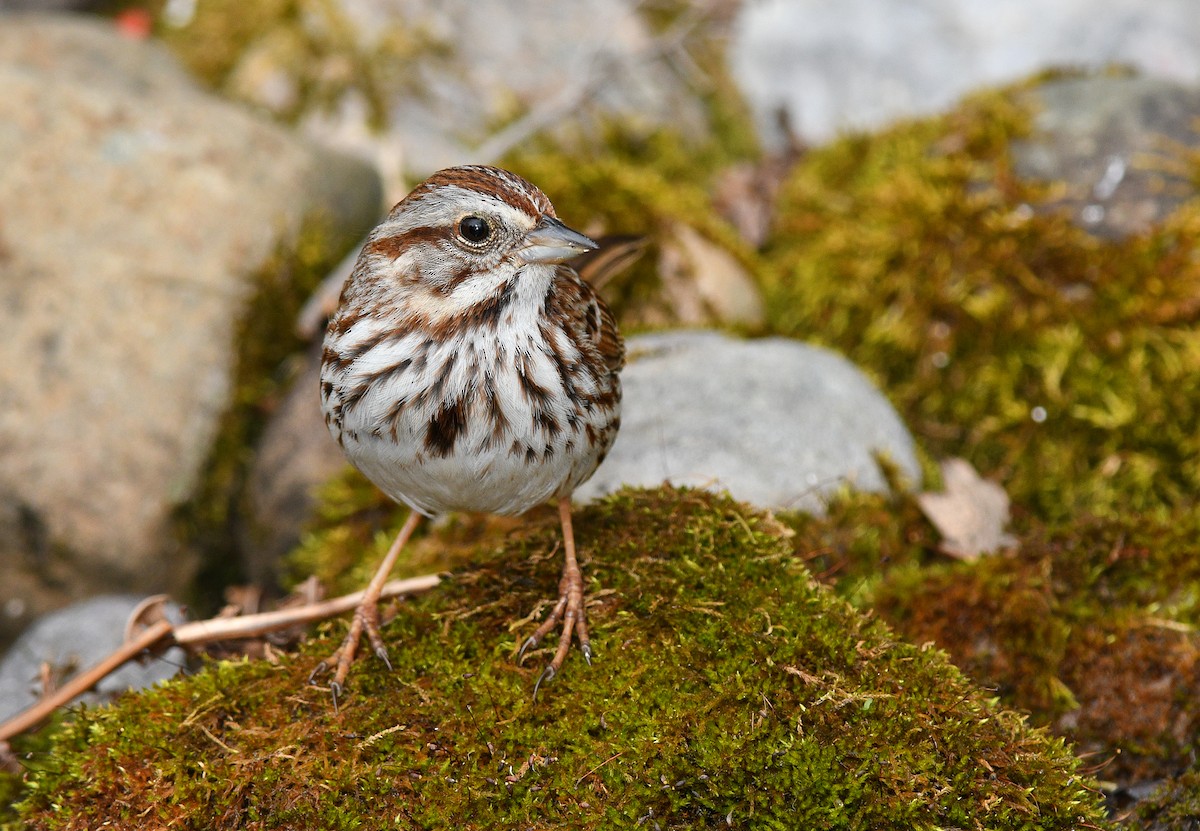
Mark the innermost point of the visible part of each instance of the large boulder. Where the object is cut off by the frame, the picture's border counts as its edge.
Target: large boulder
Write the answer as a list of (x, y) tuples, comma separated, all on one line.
[(138, 215), (776, 422)]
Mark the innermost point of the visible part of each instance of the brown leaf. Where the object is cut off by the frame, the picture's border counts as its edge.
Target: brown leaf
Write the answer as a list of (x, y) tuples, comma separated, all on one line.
[(703, 283), (970, 514)]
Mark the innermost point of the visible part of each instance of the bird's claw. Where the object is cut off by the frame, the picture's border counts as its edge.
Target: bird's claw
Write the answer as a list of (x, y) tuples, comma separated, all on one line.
[(529, 644), (382, 654), (319, 670), (547, 675)]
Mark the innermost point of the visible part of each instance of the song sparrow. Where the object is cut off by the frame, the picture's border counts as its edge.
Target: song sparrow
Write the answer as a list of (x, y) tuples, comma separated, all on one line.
[(468, 368)]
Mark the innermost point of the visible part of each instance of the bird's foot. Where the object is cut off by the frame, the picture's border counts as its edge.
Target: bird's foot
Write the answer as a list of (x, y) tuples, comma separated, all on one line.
[(366, 620), (570, 613)]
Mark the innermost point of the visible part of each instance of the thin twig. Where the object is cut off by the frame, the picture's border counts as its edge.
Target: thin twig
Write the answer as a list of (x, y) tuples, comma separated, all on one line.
[(250, 626), (163, 632)]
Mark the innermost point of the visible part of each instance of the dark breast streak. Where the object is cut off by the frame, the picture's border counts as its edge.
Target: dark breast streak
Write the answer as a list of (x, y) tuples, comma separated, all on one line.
[(574, 321)]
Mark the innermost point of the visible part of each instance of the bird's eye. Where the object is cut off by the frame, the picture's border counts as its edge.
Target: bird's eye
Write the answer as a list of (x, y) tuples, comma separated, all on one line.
[(474, 229)]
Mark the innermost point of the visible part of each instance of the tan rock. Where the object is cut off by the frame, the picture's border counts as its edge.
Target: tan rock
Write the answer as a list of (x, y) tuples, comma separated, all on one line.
[(136, 212)]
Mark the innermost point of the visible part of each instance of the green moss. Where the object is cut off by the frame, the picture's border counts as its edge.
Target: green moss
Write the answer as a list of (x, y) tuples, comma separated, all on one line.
[(918, 254), (23, 754), (729, 688), (1174, 807)]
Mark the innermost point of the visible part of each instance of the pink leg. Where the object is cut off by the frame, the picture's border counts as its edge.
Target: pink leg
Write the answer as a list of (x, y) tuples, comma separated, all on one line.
[(366, 618), (569, 609)]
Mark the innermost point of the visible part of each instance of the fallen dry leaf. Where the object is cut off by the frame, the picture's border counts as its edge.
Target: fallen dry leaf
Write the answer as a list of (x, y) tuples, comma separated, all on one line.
[(703, 283), (970, 514)]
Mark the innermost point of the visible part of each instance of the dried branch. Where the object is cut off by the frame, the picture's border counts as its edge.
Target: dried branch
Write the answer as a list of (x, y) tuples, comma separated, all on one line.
[(250, 626), (163, 633)]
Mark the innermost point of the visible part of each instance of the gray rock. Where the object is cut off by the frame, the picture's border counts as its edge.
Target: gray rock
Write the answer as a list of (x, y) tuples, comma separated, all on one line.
[(1117, 145), (74, 639), (294, 457), (777, 423), (137, 216), (860, 64)]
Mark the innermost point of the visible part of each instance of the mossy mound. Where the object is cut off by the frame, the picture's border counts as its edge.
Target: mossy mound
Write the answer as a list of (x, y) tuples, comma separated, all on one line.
[(730, 690)]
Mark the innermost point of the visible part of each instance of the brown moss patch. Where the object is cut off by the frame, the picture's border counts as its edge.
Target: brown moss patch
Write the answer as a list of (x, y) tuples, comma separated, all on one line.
[(1078, 627), (1138, 685)]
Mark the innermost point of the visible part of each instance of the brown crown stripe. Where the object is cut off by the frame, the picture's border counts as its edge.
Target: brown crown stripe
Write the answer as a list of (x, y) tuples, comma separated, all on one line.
[(490, 181)]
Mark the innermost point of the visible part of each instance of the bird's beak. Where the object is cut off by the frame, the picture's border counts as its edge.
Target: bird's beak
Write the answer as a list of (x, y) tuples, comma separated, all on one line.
[(552, 242)]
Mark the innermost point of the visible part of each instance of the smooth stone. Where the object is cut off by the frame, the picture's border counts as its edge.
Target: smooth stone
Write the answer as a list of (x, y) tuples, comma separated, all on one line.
[(777, 423), (76, 638), (1115, 146)]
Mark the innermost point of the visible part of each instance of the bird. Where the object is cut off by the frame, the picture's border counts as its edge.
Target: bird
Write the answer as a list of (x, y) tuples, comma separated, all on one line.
[(469, 367)]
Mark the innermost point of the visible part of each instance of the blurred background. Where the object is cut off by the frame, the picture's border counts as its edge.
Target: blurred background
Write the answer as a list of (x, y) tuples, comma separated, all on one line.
[(184, 184)]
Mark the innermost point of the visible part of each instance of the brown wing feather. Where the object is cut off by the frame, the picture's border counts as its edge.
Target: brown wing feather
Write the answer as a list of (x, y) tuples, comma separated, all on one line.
[(614, 255), (589, 316)]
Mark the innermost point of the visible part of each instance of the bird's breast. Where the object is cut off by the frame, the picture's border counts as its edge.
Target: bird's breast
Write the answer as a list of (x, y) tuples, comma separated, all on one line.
[(493, 422)]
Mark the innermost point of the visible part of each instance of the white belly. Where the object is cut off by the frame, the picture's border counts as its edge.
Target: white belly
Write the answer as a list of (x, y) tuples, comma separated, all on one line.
[(511, 448)]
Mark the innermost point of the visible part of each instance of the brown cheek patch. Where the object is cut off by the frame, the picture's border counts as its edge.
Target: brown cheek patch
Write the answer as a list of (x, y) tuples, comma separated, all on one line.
[(393, 245)]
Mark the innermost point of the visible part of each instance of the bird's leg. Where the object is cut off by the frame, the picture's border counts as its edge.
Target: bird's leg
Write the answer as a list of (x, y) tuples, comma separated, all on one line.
[(366, 618), (569, 609)]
